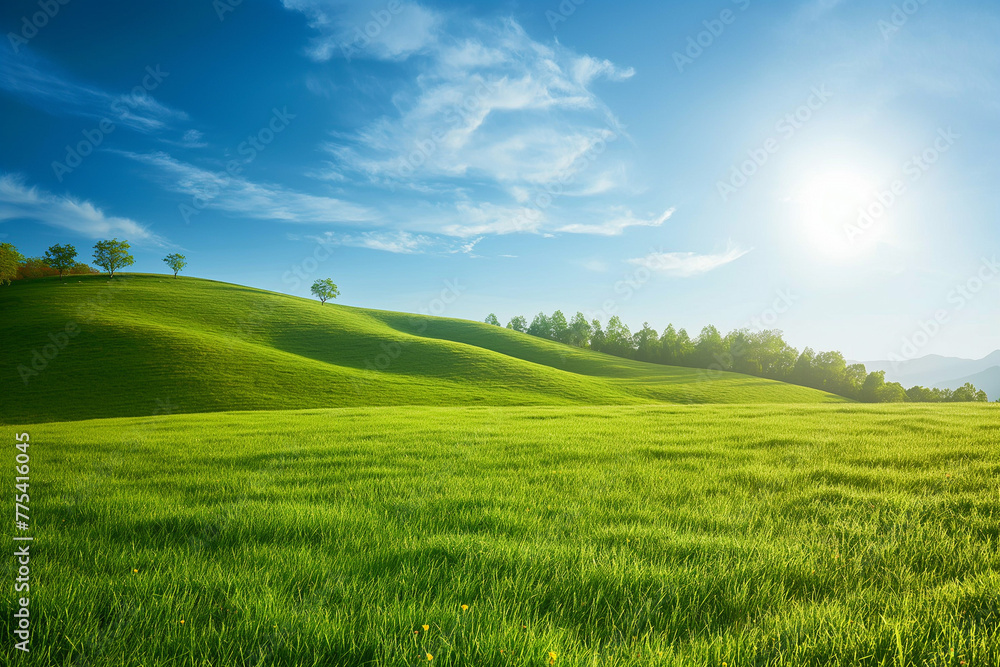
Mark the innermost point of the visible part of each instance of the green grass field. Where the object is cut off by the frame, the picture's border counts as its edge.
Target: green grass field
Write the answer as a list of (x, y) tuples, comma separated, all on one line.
[(208, 347), (672, 535), (527, 502)]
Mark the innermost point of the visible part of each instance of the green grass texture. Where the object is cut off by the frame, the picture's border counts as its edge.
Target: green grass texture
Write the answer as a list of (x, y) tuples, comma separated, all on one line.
[(576, 536), (91, 347)]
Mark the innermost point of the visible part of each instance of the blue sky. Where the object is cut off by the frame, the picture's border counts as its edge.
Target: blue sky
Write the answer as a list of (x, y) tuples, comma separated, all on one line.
[(824, 167)]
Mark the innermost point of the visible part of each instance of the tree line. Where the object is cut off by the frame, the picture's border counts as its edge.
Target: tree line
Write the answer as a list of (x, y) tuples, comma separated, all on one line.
[(111, 255), (758, 353), (60, 260)]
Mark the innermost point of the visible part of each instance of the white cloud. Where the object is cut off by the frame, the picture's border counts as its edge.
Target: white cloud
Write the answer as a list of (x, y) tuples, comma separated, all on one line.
[(193, 139), (482, 112), (687, 264), (235, 194), (486, 218), (33, 81), (586, 69), (616, 225), (367, 28), (18, 201), (399, 242), (487, 104), (396, 241), (327, 173), (467, 248)]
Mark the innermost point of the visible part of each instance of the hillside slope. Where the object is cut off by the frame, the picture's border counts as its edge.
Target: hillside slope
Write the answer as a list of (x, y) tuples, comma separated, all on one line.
[(150, 344)]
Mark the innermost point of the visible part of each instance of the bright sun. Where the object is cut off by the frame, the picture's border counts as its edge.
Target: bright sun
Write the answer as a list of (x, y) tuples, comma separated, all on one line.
[(830, 210)]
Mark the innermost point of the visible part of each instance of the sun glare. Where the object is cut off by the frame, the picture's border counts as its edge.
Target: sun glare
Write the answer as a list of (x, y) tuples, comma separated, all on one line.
[(834, 213)]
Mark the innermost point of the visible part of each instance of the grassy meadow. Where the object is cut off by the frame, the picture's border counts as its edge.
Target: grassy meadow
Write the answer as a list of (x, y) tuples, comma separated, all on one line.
[(144, 341), (627, 535), (227, 476)]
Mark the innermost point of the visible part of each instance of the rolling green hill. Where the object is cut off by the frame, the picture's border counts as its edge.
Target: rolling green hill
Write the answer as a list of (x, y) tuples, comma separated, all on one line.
[(150, 344)]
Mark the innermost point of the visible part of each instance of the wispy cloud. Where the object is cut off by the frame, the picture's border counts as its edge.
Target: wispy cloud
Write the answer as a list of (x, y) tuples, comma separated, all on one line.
[(617, 224), (37, 83), (486, 104), (18, 201), (397, 241), (687, 264), (468, 247), (367, 28), (485, 218), (193, 139), (238, 195)]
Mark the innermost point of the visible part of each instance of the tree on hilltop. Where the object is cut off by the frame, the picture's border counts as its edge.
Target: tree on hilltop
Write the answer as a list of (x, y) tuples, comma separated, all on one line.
[(62, 258), (325, 289), (518, 323), (175, 262), (112, 255)]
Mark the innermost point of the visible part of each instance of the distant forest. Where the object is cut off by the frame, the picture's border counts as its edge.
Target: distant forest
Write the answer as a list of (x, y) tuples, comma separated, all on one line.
[(759, 353)]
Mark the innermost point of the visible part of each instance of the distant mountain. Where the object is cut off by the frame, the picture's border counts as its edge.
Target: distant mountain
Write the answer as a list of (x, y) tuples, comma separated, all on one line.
[(934, 370), (988, 381)]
